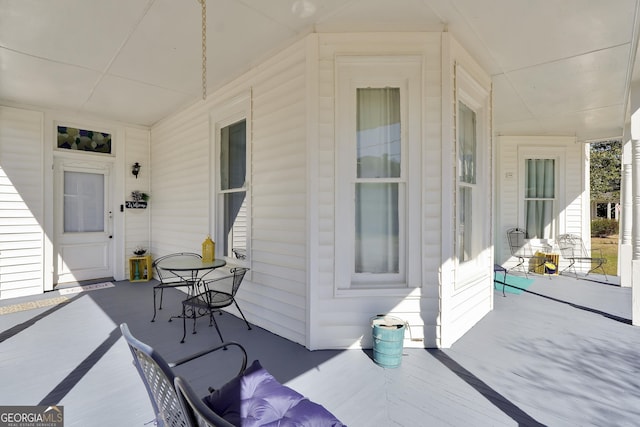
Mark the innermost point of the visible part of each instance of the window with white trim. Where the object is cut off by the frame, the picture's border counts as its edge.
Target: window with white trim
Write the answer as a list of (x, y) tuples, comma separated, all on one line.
[(467, 142), (473, 205), (540, 190), (377, 205), (232, 213)]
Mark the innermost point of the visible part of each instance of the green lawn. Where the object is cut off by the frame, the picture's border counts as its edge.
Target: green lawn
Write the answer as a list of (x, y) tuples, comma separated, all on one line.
[(609, 247)]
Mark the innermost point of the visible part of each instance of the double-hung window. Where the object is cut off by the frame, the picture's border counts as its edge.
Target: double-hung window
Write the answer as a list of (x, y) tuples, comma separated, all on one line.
[(467, 147), (378, 212), (539, 197), (231, 166), (473, 198), (378, 173)]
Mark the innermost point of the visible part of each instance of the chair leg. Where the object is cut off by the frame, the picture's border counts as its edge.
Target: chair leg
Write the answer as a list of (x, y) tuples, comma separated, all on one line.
[(521, 265), (599, 266), (195, 316), (215, 323), (242, 314), (184, 325), (155, 291), (571, 266)]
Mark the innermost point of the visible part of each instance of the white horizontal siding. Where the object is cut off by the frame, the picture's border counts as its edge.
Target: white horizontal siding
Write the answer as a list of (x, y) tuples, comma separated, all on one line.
[(465, 299), (137, 228), (179, 204), (573, 213), (343, 321), (21, 203), (274, 295)]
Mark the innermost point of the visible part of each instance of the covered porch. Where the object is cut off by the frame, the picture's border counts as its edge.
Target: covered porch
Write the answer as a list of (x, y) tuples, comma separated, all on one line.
[(561, 353)]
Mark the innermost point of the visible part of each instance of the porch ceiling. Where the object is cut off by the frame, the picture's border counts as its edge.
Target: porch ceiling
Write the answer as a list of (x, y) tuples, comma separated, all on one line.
[(558, 67)]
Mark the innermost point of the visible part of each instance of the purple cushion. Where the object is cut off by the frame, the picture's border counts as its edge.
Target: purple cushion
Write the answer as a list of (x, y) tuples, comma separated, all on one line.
[(256, 399)]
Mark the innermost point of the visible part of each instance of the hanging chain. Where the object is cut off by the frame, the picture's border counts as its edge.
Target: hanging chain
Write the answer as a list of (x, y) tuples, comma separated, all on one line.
[(204, 48)]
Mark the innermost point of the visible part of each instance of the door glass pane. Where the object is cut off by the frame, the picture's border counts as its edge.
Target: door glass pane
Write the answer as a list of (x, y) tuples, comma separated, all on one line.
[(378, 133), (377, 228), (83, 202), (235, 224), (233, 155)]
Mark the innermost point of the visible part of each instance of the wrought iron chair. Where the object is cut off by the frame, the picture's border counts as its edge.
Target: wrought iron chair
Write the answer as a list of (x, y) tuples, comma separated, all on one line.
[(253, 396), (219, 293), (195, 409), (524, 251), (168, 279), (158, 377), (573, 250)]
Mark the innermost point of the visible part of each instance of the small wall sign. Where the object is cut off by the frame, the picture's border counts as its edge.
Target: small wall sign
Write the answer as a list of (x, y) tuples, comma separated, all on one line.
[(135, 204)]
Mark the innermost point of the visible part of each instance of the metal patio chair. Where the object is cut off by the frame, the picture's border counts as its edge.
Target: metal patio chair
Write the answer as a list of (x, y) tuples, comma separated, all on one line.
[(168, 279), (522, 249), (158, 378), (218, 294), (252, 397), (573, 250)]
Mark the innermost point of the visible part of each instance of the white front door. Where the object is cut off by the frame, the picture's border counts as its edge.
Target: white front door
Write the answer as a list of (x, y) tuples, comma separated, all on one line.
[(83, 222)]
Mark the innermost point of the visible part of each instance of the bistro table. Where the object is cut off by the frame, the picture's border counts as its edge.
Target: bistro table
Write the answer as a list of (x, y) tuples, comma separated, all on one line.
[(192, 271)]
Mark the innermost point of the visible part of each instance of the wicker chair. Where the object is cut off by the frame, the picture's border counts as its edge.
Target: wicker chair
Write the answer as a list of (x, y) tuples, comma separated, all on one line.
[(219, 293), (168, 279), (158, 379)]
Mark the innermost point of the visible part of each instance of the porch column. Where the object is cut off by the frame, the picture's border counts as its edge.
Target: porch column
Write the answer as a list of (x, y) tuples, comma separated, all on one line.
[(635, 225), (625, 255), (635, 287)]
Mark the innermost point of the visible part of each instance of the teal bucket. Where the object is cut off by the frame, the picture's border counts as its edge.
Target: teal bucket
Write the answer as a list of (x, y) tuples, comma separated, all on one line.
[(388, 338)]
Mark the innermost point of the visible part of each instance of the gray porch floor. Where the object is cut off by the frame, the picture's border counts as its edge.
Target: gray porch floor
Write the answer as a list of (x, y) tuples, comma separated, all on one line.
[(562, 354)]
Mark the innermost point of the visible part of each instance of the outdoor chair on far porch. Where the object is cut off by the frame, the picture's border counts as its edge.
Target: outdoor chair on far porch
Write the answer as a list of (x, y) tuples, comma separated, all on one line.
[(168, 279), (529, 257), (573, 250), (218, 294)]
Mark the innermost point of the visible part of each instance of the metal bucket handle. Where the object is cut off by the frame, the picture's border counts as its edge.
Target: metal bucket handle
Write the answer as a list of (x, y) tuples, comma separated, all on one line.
[(405, 323)]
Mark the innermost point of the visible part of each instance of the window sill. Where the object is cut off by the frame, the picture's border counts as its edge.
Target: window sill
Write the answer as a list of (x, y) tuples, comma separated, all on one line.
[(361, 291)]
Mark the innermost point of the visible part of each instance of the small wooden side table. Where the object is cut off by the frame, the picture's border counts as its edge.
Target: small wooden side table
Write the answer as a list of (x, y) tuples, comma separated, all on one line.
[(140, 268)]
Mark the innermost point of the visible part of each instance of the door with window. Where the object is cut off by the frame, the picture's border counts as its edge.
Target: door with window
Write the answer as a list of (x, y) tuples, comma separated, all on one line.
[(83, 222)]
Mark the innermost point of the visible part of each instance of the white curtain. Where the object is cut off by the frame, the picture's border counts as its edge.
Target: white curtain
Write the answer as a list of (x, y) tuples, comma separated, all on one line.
[(378, 162), (467, 142), (539, 197)]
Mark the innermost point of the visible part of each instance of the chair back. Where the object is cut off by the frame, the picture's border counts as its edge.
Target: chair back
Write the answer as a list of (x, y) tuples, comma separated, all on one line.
[(196, 410), (238, 276), (571, 246), (517, 238), (166, 276), (158, 378)]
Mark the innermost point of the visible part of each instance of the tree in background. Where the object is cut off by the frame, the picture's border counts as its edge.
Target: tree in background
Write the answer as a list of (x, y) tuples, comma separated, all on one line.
[(606, 167)]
